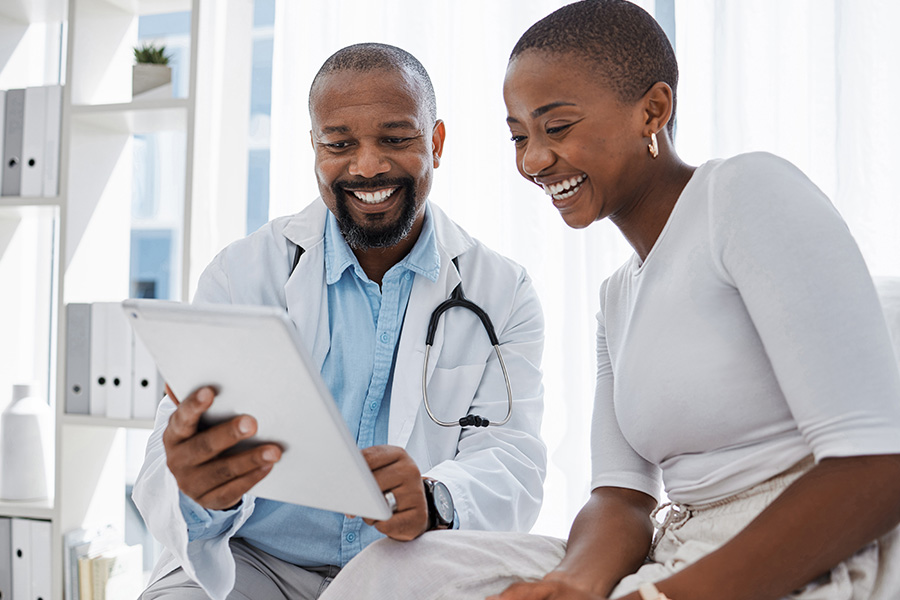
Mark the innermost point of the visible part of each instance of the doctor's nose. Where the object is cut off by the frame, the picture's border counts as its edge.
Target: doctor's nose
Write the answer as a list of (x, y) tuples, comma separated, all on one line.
[(368, 162)]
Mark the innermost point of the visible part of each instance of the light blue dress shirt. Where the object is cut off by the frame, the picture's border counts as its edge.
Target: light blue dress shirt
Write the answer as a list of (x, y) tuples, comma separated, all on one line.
[(365, 324)]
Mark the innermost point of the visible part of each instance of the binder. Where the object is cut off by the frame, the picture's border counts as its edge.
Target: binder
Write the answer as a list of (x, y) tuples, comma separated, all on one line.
[(41, 577), (5, 558), (12, 143), (50, 185), (21, 558), (98, 369), (147, 384), (34, 125), (78, 359), (2, 134), (118, 362)]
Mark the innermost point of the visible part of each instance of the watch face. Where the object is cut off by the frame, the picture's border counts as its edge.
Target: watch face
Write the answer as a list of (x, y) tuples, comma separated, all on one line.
[(443, 502)]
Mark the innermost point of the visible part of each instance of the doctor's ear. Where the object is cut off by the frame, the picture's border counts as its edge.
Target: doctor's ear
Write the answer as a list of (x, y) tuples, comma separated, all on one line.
[(437, 142)]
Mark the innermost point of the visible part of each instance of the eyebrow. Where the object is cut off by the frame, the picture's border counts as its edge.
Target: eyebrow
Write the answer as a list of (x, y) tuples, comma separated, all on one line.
[(542, 110), (398, 125), (388, 125)]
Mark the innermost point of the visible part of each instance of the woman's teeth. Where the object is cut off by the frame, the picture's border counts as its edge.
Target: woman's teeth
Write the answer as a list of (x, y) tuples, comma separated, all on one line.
[(558, 190), (374, 197)]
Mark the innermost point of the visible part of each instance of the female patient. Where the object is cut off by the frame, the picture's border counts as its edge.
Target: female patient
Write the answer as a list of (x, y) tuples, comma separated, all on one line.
[(743, 359)]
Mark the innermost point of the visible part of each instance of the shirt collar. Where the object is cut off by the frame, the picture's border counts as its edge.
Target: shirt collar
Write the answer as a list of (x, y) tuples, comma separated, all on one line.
[(423, 259)]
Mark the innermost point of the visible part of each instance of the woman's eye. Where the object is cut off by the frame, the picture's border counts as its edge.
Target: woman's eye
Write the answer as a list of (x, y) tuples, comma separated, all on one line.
[(557, 129)]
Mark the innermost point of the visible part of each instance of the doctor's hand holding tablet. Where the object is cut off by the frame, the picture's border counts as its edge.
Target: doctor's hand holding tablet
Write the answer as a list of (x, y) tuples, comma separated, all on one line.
[(217, 479), (205, 472)]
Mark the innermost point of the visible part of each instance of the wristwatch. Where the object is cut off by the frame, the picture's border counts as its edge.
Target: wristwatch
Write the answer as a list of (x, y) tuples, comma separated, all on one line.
[(440, 504)]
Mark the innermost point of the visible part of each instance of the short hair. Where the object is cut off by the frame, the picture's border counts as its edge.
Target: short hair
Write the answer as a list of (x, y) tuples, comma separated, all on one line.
[(371, 56), (626, 45)]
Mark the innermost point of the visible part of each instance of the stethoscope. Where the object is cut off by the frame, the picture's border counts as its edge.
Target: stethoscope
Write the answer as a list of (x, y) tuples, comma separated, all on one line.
[(457, 299)]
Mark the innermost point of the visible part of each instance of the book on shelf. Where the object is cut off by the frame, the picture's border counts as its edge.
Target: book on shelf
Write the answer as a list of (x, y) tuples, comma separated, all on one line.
[(118, 573), (83, 544)]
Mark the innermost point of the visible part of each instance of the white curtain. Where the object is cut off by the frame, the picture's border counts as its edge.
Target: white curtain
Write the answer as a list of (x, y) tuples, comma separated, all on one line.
[(804, 79), (810, 80)]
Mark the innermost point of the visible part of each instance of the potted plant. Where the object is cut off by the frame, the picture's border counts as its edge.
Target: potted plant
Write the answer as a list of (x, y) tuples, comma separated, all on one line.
[(151, 74)]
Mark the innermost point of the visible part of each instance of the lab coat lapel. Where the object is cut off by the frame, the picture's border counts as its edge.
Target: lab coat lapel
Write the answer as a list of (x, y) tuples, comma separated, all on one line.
[(406, 393), (305, 292)]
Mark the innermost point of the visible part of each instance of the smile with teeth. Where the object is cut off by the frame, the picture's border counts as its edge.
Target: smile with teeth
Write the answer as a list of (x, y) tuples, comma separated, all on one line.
[(373, 197), (564, 189)]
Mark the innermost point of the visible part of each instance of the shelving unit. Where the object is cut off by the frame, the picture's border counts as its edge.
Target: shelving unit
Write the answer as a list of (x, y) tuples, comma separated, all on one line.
[(90, 219)]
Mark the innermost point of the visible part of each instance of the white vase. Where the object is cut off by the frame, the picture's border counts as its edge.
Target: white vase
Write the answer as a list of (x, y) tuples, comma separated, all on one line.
[(26, 431)]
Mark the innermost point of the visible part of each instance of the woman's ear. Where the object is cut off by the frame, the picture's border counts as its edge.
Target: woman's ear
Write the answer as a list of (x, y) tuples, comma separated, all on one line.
[(659, 102)]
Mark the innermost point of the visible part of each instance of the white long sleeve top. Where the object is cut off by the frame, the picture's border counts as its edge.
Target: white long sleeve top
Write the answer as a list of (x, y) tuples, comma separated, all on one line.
[(750, 337)]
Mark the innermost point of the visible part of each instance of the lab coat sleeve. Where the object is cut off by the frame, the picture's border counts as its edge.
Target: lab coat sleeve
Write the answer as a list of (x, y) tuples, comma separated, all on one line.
[(207, 560), (204, 554), (496, 478)]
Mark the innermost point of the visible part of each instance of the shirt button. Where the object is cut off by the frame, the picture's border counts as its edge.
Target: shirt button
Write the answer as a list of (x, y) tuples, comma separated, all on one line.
[(408, 275), (385, 337), (351, 536), (373, 406)]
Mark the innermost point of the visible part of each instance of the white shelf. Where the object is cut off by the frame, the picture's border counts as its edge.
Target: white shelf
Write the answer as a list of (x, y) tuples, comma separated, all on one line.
[(142, 116), (152, 7), (88, 420), (25, 203), (33, 11), (27, 509)]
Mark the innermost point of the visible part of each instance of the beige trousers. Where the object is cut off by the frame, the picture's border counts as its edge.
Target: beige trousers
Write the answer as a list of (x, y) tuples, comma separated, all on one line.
[(469, 565)]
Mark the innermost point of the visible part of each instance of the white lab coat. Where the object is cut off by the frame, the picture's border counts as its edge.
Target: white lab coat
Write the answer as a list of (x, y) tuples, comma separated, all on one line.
[(495, 474)]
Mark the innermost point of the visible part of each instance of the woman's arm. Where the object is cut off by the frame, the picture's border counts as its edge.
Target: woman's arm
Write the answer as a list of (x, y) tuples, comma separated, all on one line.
[(609, 539)]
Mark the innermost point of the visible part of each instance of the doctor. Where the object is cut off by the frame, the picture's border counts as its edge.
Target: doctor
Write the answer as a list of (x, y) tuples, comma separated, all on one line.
[(360, 271)]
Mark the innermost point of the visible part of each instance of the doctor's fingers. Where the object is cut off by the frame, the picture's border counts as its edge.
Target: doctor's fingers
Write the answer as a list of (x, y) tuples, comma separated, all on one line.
[(220, 483), (207, 445), (228, 495), (406, 524), (183, 422)]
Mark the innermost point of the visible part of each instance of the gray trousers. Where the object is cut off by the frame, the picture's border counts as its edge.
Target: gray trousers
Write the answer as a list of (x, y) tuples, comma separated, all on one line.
[(258, 576)]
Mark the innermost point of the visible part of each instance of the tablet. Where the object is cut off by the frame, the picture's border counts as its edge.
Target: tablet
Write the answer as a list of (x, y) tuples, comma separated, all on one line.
[(253, 357)]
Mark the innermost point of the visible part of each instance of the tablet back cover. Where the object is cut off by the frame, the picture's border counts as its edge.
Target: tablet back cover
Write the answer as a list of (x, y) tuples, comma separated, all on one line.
[(253, 357)]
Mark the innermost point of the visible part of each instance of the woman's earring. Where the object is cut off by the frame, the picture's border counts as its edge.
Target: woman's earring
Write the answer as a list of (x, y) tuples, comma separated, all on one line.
[(653, 147)]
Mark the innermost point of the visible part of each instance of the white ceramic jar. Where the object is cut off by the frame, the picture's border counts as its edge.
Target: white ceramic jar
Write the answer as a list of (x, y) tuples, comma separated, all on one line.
[(26, 446)]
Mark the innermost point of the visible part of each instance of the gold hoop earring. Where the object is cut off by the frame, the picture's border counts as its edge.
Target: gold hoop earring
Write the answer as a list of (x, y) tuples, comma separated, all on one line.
[(653, 147)]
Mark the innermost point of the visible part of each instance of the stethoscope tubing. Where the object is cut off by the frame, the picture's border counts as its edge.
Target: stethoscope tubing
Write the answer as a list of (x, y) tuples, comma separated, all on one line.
[(464, 421)]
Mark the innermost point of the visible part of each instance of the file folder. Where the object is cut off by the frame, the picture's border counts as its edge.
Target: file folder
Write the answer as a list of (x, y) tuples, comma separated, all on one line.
[(50, 186), (12, 143), (5, 558), (78, 359), (34, 125), (21, 558), (2, 135), (99, 371), (147, 384), (118, 361), (41, 577)]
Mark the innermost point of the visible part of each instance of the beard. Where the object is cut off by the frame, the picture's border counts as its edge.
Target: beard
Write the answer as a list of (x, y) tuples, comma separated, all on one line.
[(374, 232)]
